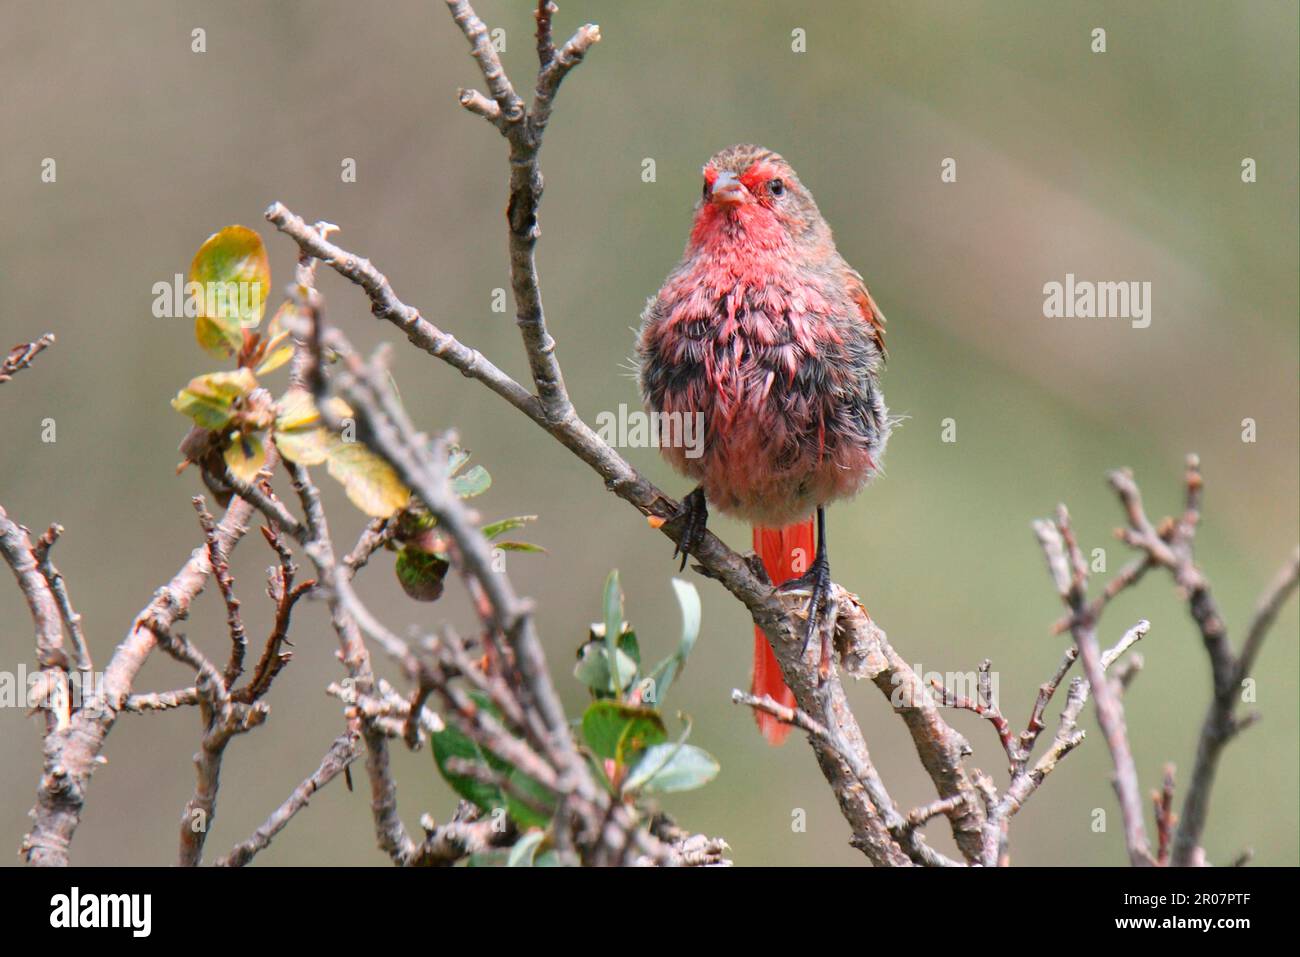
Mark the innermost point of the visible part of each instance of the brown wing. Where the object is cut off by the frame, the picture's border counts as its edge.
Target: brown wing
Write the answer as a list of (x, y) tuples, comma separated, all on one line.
[(870, 311)]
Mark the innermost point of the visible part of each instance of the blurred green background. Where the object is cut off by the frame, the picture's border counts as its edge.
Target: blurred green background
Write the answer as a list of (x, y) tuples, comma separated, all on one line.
[(1116, 166)]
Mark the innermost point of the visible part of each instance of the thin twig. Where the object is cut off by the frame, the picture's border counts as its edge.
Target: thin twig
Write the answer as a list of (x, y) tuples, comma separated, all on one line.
[(1163, 803), (222, 718), (72, 620), (72, 755), (226, 585), (47, 617), (1069, 571), (341, 753), (21, 356), (1169, 544)]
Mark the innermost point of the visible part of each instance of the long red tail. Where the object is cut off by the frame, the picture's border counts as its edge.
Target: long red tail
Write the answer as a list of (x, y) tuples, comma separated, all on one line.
[(787, 553)]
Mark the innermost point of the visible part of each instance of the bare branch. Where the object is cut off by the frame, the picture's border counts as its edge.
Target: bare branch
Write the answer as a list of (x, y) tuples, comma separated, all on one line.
[(554, 71), (546, 11), (393, 837), (21, 356), (162, 700), (222, 718), (47, 617), (1266, 611), (481, 48), (226, 585), (466, 834), (791, 716), (259, 494), (476, 102), (1110, 715), (686, 849), (918, 816), (377, 535), (1024, 780), (382, 424), (1169, 545), (555, 764), (1069, 572), (281, 590), (1221, 723), (72, 755), (866, 652), (1163, 802), (71, 620), (901, 830), (986, 708), (342, 752)]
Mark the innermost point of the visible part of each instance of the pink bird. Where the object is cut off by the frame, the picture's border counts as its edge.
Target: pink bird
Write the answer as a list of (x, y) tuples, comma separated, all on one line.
[(766, 332)]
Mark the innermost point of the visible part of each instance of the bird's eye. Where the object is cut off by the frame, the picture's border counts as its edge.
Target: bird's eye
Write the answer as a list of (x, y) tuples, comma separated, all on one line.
[(705, 192), (776, 187)]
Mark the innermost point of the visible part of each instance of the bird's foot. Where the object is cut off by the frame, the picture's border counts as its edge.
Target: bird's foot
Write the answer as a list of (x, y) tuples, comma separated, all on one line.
[(821, 610), (694, 516)]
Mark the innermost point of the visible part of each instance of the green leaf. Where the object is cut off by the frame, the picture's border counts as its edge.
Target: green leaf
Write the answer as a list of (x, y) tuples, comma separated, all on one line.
[(421, 574), (593, 669), (628, 644), (597, 767), (688, 599), (501, 526), (219, 337), (613, 606), (525, 814), (451, 743), (235, 275), (525, 849), (370, 482), (208, 398), (520, 547), (672, 767), (494, 857), (621, 732), (665, 673), (474, 482), (245, 456)]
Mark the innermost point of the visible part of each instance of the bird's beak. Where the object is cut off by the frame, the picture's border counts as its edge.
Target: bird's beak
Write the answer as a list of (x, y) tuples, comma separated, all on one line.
[(728, 190)]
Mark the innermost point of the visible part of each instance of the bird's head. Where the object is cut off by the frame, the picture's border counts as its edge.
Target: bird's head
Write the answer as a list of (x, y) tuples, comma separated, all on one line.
[(752, 196)]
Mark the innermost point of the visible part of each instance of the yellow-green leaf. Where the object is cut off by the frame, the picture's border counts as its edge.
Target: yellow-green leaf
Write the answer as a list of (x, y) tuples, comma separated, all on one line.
[(208, 398), (296, 409), (304, 447), (493, 529), (245, 456), (234, 276), (279, 347), (299, 434), (370, 482), (219, 336), (277, 354)]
